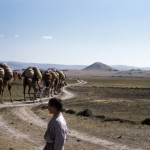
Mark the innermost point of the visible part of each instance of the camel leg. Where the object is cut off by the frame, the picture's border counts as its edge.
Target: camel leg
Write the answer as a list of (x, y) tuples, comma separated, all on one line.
[(1, 101), (35, 92), (51, 92), (34, 97), (45, 92), (10, 92), (1, 98), (48, 91), (56, 87), (65, 84), (24, 89), (24, 92), (1, 90), (29, 92), (2, 93), (55, 91)]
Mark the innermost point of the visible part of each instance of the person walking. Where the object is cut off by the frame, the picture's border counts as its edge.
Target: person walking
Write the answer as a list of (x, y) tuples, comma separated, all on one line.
[(56, 133)]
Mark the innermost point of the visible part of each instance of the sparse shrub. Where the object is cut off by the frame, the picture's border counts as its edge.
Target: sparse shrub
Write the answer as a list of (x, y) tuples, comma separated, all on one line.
[(86, 113), (70, 111)]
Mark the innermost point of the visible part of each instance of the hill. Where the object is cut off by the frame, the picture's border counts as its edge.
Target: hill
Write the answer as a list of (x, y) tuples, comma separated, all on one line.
[(98, 66)]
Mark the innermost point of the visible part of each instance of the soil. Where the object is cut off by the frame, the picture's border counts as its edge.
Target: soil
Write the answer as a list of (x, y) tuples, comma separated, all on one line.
[(22, 126)]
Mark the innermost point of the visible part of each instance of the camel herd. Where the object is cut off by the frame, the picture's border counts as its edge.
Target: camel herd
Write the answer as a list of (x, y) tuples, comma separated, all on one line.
[(48, 82)]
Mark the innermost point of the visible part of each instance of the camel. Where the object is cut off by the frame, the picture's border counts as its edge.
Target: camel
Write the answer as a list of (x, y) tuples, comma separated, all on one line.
[(31, 83), (17, 75), (3, 83), (55, 81), (62, 78), (32, 79), (47, 81), (51, 81)]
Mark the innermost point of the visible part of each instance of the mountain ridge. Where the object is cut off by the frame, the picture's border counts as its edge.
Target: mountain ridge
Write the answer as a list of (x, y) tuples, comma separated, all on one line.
[(127, 68), (22, 65)]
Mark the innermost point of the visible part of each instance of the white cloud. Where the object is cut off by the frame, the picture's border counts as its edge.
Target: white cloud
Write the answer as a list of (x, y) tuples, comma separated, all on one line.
[(16, 36), (47, 37), (1, 35)]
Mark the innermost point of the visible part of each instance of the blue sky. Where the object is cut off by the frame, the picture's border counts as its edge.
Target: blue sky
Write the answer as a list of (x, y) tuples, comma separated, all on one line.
[(76, 32)]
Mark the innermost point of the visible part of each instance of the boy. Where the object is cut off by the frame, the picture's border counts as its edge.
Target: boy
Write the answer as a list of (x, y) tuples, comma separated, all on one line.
[(56, 132)]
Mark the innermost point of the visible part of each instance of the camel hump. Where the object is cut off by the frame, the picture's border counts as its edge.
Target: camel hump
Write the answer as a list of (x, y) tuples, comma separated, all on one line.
[(6, 71), (2, 72), (29, 72), (4, 65), (61, 74), (47, 75), (37, 73)]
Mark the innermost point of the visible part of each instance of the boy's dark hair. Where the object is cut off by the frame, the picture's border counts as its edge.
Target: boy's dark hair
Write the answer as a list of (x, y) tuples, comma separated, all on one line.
[(56, 102)]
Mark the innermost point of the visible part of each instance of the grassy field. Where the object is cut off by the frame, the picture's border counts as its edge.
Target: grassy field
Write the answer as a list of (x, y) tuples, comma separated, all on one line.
[(124, 102), (107, 96)]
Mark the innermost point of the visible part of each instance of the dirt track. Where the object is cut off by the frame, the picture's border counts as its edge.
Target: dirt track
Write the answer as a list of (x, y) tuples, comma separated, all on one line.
[(20, 128)]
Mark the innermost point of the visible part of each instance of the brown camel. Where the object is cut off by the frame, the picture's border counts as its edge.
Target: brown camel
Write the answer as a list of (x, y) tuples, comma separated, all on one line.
[(62, 78), (55, 82), (51, 81), (3, 83), (17, 76), (31, 83), (47, 81)]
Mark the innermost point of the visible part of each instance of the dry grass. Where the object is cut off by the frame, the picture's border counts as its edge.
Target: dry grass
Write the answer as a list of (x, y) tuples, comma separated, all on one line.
[(124, 102), (113, 97)]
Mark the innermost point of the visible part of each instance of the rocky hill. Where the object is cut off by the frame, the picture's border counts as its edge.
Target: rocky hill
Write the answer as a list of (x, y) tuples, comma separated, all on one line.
[(98, 66)]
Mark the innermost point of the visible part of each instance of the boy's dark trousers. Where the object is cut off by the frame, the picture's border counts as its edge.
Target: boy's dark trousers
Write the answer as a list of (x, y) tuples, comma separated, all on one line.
[(49, 146)]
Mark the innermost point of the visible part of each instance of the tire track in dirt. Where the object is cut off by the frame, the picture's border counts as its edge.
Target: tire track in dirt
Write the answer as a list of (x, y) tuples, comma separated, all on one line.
[(27, 115), (98, 141), (23, 111), (10, 132)]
